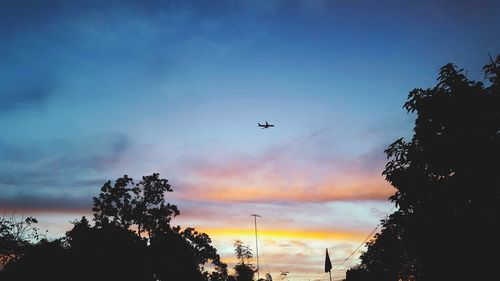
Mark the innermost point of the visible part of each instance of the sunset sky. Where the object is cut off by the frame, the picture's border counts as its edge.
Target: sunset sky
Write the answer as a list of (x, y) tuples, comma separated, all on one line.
[(90, 91)]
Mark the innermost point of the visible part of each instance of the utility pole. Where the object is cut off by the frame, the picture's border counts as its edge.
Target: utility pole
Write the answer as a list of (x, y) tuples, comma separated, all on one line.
[(256, 244)]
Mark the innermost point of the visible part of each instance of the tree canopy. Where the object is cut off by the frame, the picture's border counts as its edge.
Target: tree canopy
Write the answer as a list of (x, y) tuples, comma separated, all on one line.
[(131, 239), (244, 269), (142, 204), (447, 185), (16, 237)]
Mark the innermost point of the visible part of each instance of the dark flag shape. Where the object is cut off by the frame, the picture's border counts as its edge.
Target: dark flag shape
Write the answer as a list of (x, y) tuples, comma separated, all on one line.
[(328, 263)]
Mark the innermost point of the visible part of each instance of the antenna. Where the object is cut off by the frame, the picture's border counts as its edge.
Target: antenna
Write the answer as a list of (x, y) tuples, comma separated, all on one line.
[(256, 244), (491, 59)]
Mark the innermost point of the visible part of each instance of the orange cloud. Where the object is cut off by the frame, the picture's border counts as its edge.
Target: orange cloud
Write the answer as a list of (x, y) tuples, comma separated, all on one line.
[(337, 189), (234, 233), (291, 172)]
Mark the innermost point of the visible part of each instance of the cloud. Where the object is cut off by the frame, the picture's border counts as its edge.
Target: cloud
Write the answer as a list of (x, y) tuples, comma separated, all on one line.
[(14, 152), (24, 99), (364, 189), (306, 169), (36, 175), (45, 204), (348, 216)]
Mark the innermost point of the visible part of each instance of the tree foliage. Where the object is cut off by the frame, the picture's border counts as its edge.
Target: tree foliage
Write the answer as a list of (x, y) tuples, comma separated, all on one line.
[(142, 204), (387, 257), (131, 240), (242, 251), (447, 184), (16, 237), (244, 269)]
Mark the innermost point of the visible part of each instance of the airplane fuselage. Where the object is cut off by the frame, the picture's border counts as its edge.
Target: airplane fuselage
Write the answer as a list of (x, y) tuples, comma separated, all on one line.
[(265, 126)]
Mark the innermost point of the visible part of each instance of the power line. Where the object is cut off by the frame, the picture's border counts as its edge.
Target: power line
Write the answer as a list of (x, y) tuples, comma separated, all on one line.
[(359, 247), (364, 241), (339, 265)]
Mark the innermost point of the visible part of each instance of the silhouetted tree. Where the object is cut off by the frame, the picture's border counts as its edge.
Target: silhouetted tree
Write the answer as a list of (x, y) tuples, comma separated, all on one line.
[(448, 184), (386, 257), (141, 204), (359, 273), (204, 252), (172, 252), (242, 251), (44, 260), (447, 177), (244, 272), (268, 277), (244, 269), (185, 253), (131, 240), (16, 237), (107, 252)]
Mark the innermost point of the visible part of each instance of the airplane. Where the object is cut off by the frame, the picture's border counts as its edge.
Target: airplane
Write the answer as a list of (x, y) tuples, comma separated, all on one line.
[(265, 126)]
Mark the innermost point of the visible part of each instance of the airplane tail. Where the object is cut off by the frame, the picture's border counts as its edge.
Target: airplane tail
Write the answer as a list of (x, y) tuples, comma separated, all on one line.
[(259, 125)]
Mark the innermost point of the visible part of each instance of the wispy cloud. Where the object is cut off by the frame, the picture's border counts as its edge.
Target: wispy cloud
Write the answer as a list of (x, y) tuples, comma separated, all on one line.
[(37, 175), (332, 190), (304, 170), (23, 99), (35, 204)]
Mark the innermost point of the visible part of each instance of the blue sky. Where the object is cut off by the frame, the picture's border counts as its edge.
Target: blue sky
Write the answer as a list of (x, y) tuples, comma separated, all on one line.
[(90, 91)]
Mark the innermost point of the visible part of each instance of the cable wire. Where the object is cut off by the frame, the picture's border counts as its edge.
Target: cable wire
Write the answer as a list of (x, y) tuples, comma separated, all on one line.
[(364, 241), (359, 247)]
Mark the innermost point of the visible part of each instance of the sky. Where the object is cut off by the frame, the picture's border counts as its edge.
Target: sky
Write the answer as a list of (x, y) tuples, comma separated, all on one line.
[(93, 90)]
